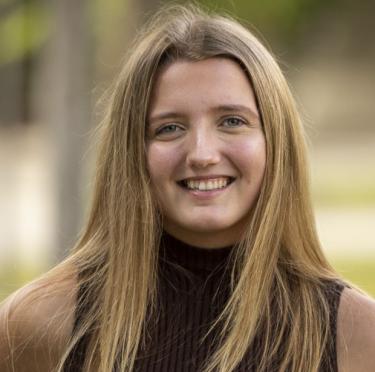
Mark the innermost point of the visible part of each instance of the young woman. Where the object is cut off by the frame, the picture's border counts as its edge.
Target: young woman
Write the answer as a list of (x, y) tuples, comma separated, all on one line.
[(200, 252)]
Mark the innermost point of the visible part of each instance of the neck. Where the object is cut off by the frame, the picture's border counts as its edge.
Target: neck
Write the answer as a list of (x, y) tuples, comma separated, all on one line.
[(193, 258), (204, 239)]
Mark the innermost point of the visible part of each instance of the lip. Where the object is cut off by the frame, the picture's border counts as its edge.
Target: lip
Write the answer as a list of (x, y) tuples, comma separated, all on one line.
[(206, 195), (204, 178)]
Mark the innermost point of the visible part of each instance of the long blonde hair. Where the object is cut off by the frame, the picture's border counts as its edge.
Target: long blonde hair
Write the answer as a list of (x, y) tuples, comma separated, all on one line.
[(278, 262)]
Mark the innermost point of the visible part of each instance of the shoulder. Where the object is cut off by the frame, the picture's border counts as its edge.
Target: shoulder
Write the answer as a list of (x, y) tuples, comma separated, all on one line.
[(36, 323), (356, 332)]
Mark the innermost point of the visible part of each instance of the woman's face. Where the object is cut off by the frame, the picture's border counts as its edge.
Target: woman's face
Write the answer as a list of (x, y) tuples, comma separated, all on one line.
[(205, 150)]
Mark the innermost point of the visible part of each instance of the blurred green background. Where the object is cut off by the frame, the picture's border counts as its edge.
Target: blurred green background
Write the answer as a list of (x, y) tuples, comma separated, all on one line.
[(57, 57)]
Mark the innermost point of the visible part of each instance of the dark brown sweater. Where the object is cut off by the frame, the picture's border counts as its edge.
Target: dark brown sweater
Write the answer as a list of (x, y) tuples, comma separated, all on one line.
[(194, 286)]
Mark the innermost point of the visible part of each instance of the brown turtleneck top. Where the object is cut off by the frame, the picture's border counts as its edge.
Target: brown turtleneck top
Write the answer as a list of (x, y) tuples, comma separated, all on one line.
[(193, 289)]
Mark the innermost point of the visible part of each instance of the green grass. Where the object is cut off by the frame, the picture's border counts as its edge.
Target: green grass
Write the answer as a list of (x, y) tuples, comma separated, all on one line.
[(15, 276), (359, 271), (344, 185)]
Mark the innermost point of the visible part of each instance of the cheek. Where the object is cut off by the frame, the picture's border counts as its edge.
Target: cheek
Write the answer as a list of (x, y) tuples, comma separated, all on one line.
[(250, 157), (161, 162)]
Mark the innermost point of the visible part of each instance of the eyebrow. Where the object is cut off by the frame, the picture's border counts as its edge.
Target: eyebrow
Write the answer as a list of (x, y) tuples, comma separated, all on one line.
[(221, 108), (165, 115), (232, 108)]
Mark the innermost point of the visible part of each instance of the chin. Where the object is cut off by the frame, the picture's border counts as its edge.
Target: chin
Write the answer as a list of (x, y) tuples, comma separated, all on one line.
[(208, 226)]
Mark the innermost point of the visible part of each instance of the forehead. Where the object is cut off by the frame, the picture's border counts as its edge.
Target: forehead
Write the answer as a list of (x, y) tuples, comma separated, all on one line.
[(191, 85)]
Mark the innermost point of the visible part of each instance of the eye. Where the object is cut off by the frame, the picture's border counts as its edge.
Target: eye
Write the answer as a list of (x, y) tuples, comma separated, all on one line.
[(167, 129), (233, 122)]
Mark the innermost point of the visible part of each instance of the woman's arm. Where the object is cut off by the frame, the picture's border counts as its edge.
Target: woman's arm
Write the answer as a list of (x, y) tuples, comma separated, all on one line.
[(35, 326), (356, 333)]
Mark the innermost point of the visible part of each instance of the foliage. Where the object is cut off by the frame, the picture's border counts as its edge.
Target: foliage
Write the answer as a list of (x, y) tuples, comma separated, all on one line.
[(25, 27), (22, 30), (279, 20)]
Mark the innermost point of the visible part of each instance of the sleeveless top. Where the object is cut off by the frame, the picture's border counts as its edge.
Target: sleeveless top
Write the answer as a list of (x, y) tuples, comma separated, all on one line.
[(193, 289)]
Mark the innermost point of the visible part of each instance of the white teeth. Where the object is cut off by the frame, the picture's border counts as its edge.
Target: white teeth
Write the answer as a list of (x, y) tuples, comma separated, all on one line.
[(213, 184)]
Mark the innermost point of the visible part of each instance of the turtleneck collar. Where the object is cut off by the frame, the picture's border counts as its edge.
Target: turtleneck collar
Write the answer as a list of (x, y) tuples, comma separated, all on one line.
[(191, 257)]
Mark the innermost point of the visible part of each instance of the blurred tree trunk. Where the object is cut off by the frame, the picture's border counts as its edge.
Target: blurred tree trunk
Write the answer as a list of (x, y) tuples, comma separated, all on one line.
[(63, 104), (63, 99)]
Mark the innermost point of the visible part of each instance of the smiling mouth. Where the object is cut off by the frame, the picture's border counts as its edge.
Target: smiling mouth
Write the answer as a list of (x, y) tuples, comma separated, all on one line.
[(206, 185)]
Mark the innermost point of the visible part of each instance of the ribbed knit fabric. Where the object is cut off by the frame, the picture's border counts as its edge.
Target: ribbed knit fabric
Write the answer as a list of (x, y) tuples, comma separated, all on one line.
[(194, 286)]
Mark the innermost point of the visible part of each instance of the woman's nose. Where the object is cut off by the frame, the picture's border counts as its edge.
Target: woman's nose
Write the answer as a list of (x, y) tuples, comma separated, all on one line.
[(202, 150)]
